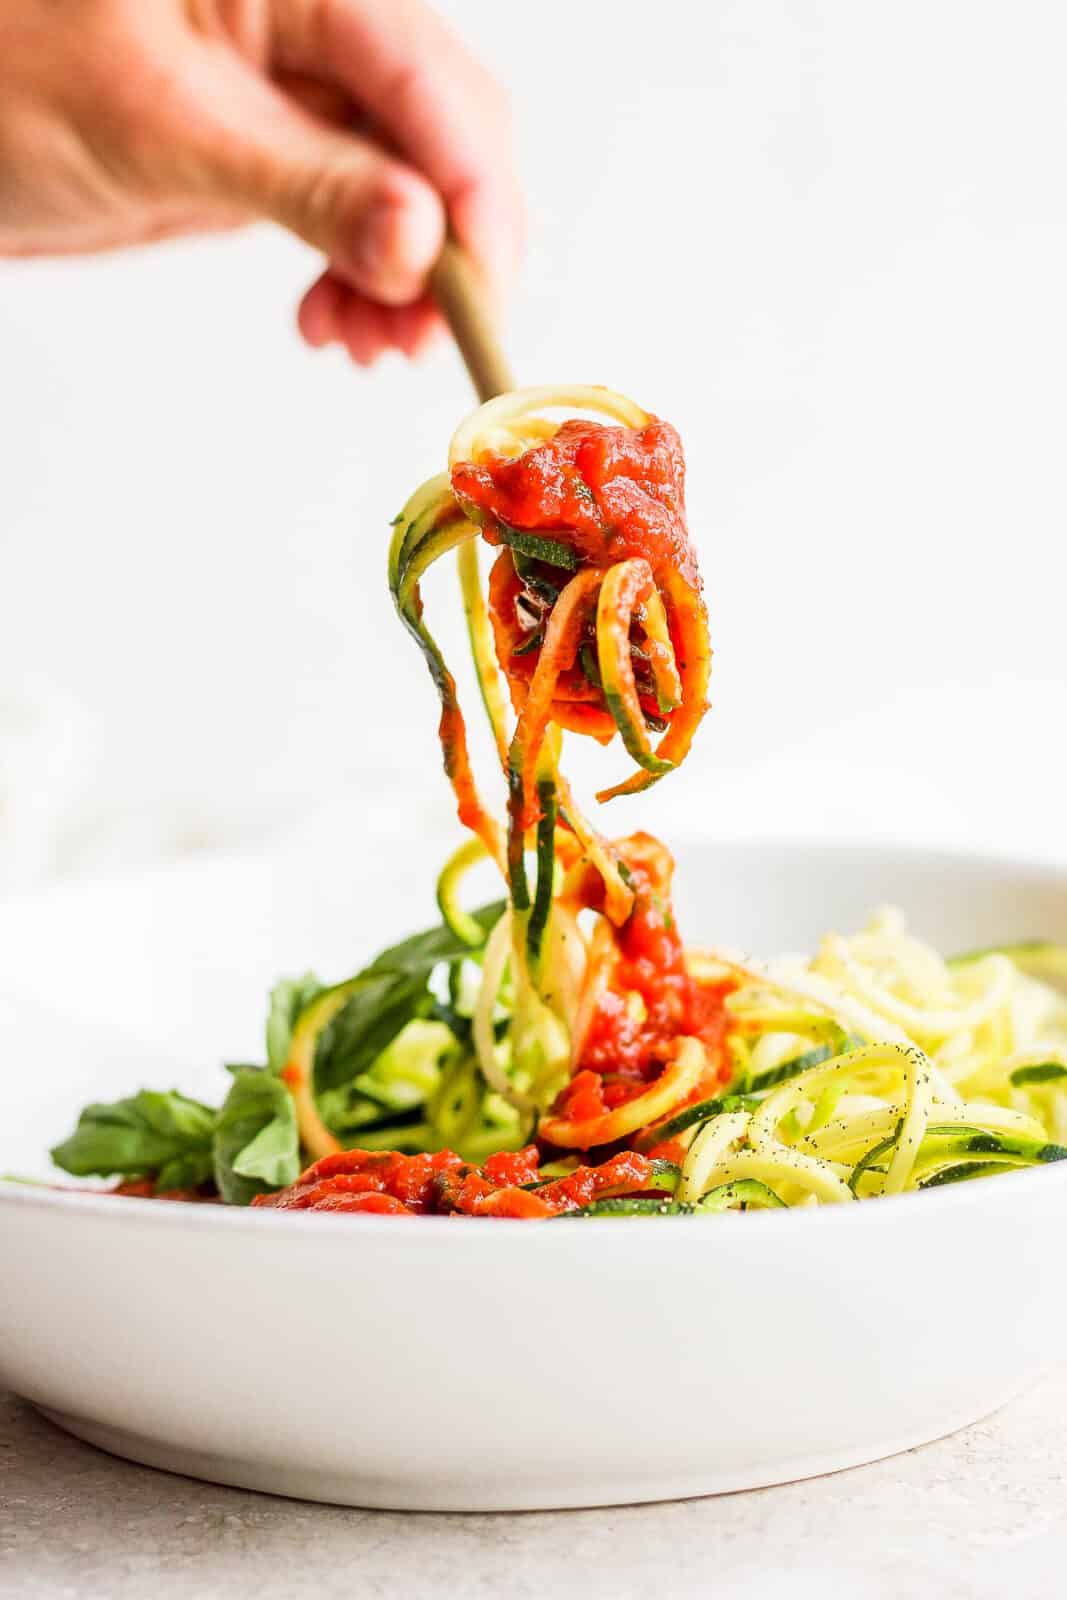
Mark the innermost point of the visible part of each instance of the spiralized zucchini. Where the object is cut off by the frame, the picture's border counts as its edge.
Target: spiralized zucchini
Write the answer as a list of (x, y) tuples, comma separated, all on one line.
[(943, 1071), (435, 521)]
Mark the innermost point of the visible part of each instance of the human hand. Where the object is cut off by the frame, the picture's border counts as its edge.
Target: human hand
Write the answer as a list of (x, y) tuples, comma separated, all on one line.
[(357, 124)]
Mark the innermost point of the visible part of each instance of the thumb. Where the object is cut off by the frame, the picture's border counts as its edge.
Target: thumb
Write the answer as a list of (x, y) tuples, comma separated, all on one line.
[(380, 223)]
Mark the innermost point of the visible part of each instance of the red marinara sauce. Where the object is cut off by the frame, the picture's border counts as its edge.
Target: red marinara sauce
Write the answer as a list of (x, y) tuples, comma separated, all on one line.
[(386, 1183), (649, 998), (607, 493), (145, 1189), (627, 1037), (590, 497)]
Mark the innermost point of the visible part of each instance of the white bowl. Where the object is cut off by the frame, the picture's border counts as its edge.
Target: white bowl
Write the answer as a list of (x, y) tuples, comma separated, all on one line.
[(481, 1365)]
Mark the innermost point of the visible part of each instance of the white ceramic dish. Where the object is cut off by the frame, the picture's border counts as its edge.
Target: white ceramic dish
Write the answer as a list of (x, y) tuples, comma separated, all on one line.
[(493, 1365)]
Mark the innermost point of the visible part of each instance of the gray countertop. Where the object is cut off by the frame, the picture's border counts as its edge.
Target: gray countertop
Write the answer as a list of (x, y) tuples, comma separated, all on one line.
[(981, 1514)]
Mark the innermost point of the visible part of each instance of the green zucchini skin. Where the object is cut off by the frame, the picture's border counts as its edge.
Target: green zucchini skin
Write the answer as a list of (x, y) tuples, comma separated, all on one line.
[(546, 860), (949, 1148), (630, 1206), (634, 736), (798, 1064), (536, 548), (866, 1163), (981, 1142), (1040, 1072), (743, 1194), (1035, 958), (588, 662), (665, 1174), (964, 1171), (518, 884), (703, 1112)]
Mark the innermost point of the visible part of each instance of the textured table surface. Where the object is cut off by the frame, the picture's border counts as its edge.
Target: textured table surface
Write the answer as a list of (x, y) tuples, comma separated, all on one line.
[(981, 1514)]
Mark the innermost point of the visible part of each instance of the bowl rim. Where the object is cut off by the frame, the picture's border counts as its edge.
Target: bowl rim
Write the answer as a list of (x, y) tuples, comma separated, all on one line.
[(685, 832)]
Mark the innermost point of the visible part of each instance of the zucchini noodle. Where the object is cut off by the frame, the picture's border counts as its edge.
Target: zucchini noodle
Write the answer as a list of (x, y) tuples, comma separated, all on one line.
[(497, 952), (615, 594), (468, 855), (902, 1115)]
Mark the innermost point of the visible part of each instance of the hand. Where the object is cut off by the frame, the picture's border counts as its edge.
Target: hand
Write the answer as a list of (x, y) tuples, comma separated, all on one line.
[(358, 124)]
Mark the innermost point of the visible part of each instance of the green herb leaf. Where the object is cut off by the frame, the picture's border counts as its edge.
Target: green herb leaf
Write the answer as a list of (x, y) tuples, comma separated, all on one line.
[(164, 1134), (369, 1022), (256, 1146), (393, 991), (422, 951), (288, 999)]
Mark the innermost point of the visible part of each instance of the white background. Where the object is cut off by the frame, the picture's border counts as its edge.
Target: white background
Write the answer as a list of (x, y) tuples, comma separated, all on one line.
[(828, 240)]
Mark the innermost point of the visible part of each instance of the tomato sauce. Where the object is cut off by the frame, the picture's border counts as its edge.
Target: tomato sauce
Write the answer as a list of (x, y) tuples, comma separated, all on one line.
[(651, 999), (357, 1180), (386, 1183), (145, 1189), (518, 611), (589, 498), (607, 493), (648, 1001)]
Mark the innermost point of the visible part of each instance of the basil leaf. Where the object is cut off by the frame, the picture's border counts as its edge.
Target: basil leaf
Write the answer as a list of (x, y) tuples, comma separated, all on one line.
[(288, 999), (368, 1023), (256, 1146), (423, 951), (393, 991), (185, 1172), (165, 1134)]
